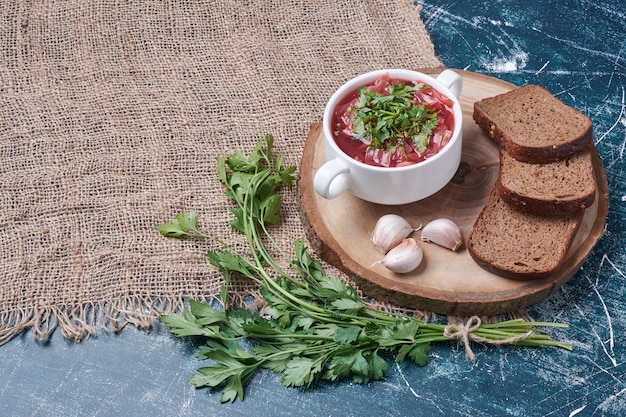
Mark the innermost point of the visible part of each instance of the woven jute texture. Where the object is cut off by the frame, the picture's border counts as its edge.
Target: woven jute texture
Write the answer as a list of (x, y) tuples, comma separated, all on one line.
[(112, 115)]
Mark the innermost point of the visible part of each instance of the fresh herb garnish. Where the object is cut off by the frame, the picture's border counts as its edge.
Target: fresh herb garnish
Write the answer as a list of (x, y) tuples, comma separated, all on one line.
[(389, 121), (315, 326)]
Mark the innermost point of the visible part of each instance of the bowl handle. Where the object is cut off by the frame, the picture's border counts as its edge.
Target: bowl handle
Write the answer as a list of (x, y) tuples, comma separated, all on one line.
[(331, 179), (451, 80)]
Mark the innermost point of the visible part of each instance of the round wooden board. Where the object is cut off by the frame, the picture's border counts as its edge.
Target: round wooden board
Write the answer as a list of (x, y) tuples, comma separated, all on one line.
[(446, 282)]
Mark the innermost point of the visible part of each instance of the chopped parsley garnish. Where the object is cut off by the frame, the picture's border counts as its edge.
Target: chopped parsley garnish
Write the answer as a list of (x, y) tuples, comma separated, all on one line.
[(390, 121)]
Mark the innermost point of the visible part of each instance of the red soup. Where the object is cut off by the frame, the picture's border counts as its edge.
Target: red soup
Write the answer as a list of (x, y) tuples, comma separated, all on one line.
[(393, 123)]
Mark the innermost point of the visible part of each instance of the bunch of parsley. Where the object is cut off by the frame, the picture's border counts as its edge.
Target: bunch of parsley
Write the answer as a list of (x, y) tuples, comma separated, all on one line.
[(316, 326)]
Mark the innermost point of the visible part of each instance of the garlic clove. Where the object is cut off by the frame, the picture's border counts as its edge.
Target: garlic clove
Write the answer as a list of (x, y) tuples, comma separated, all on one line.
[(443, 232), (404, 257), (389, 231)]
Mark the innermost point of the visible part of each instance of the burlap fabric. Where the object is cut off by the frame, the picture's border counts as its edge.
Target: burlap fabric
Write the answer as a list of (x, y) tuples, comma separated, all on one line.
[(112, 115)]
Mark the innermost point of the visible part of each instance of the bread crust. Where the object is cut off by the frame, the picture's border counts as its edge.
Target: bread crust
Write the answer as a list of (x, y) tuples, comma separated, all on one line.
[(548, 154), (543, 207)]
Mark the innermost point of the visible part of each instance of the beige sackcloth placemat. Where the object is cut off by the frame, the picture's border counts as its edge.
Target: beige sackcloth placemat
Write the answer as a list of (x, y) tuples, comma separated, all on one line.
[(112, 115)]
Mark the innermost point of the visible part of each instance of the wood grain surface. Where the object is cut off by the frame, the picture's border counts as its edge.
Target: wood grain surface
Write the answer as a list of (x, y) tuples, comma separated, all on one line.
[(446, 282)]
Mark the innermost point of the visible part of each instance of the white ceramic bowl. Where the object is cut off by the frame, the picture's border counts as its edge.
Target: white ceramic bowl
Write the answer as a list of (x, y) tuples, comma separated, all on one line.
[(390, 185)]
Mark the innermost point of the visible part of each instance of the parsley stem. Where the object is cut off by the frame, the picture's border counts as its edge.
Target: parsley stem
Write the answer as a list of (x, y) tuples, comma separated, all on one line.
[(287, 337)]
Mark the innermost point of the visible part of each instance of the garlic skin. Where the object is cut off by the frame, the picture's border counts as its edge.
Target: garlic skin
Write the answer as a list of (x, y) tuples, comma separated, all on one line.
[(404, 257), (389, 231), (443, 232)]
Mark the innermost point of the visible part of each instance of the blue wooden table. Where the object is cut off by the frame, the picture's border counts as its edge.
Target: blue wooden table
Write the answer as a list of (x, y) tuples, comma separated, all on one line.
[(575, 48)]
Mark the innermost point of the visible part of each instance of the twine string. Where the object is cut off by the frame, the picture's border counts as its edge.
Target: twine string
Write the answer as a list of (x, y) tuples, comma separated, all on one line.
[(466, 332)]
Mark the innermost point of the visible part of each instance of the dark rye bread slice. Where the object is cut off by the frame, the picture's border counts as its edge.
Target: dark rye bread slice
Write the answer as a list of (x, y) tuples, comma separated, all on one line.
[(519, 245), (532, 125), (560, 187)]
